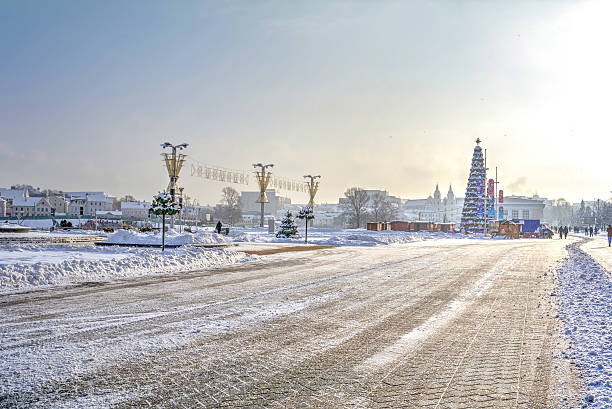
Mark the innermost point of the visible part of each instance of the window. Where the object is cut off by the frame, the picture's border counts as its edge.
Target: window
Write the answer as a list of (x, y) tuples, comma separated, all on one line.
[(525, 214), (515, 214)]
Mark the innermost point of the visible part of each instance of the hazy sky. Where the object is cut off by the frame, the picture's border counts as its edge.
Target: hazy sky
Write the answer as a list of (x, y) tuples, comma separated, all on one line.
[(386, 94)]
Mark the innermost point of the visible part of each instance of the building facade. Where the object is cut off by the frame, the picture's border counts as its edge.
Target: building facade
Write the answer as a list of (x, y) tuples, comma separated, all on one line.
[(523, 208), (135, 210), (88, 203), (442, 210), (248, 202)]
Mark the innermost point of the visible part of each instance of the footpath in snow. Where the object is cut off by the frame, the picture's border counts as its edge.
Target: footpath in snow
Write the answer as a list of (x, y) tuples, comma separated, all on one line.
[(585, 300)]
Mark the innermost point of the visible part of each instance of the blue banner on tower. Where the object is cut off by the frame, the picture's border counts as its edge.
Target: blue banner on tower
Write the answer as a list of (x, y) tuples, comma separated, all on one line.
[(479, 210)]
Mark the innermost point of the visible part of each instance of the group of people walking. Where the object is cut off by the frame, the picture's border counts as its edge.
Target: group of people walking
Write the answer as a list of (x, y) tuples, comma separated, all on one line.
[(562, 230), (588, 231)]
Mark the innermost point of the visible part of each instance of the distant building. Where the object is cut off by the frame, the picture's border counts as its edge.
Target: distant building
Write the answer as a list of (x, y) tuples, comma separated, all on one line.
[(200, 213), (58, 204), (437, 209), (135, 210), (248, 202), (2, 207), (523, 207), (23, 207), (88, 203), (43, 207), (14, 193)]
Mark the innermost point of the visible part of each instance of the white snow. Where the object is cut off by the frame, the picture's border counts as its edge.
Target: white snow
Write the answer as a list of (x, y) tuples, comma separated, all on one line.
[(585, 298), (173, 237), (35, 265), (46, 264), (339, 237)]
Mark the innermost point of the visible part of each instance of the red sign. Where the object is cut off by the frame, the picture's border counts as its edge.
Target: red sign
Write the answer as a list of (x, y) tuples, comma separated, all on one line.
[(491, 188), (501, 196)]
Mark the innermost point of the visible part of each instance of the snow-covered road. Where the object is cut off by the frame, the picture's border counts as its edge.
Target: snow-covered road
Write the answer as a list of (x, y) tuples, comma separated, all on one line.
[(440, 324)]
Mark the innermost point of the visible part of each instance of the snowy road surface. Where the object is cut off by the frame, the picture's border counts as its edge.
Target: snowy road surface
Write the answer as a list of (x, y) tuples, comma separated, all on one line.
[(438, 324)]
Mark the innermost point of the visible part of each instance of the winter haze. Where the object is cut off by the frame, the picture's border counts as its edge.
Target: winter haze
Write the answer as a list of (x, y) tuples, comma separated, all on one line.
[(384, 95)]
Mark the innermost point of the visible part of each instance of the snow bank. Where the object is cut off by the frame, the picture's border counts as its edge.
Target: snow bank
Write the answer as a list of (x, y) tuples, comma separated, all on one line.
[(27, 266), (173, 238), (338, 237), (585, 298)]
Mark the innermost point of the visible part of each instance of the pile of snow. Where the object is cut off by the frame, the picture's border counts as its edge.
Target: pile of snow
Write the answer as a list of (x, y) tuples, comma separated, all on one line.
[(173, 238), (35, 265), (585, 298), (340, 237), (47, 223)]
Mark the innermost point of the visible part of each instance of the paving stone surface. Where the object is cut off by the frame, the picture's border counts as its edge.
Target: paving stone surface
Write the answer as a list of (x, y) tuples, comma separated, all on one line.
[(440, 324)]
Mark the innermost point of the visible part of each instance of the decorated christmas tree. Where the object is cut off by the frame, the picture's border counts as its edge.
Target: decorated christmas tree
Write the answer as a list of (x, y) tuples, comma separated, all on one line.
[(472, 217), (288, 228)]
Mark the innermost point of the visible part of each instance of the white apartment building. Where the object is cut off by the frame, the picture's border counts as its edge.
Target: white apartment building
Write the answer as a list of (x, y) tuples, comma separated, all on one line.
[(523, 208), (88, 203), (136, 210), (23, 207)]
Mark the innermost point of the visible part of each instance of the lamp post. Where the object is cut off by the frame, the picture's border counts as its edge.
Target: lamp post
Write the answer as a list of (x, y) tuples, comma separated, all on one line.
[(263, 179), (313, 187), (174, 164)]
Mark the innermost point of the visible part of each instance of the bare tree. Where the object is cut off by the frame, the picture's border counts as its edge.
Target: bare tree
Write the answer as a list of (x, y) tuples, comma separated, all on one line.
[(355, 206), (377, 202), (230, 205), (381, 209)]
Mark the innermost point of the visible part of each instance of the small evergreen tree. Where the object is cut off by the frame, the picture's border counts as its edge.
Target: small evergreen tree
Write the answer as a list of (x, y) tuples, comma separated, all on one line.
[(306, 213), (288, 228), (164, 205)]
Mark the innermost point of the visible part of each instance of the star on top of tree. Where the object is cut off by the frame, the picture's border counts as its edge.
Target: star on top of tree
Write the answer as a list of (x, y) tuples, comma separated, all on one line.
[(478, 141)]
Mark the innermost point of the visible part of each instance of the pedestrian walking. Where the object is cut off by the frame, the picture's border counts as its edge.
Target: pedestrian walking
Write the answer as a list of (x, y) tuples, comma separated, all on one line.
[(609, 234), (566, 230), (591, 231), (219, 226)]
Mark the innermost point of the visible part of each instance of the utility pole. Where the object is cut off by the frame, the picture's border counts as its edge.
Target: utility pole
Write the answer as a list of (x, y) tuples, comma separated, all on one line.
[(263, 179), (496, 196), (174, 164), (313, 187), (486, 197)]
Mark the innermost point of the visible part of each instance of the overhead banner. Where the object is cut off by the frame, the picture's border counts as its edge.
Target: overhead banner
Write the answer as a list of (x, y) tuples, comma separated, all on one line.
[(501, 196), (501, 213)]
